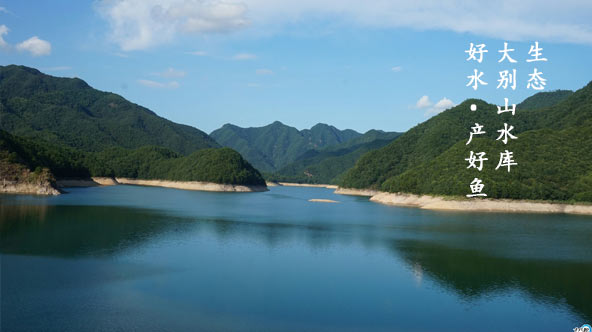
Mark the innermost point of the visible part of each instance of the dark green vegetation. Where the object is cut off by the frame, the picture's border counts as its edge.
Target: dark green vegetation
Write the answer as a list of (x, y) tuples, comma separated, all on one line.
[(553, 151), (274, 146), (544, 99), (221, 165), (63, 127), (69, 112), (327, 165)]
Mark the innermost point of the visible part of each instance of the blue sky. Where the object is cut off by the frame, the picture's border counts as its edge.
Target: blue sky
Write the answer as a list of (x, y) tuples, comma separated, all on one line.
[(352, 64)]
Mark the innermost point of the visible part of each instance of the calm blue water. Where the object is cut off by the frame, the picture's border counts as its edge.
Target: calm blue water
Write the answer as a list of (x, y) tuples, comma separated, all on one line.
[(154, 259)]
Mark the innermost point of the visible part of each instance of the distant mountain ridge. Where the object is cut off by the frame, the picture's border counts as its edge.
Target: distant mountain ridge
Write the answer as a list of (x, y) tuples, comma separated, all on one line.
[(328, 165), (271, 147)]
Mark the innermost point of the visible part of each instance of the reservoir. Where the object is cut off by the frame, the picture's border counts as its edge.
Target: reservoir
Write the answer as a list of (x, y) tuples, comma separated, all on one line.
[(134, 258)]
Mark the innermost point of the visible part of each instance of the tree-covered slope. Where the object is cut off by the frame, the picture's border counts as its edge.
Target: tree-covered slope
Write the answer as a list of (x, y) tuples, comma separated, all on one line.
[(421, 143), (544, 99), (218, 165), (68, 111), (221, 165), (552, 165), (552, 151), (327, 165), (36, 154), (273, 146)]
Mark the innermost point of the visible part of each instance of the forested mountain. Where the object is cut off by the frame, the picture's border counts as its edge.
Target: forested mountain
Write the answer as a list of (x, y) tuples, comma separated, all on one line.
[(218, 165), (544, 99), (63, 128), (68, 111), (271, 147), (328, 164), (553, 152)]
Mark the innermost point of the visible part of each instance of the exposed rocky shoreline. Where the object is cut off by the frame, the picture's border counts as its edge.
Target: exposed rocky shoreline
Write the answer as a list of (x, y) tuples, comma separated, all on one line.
[(47, 188), (474, 205), (193, 185)]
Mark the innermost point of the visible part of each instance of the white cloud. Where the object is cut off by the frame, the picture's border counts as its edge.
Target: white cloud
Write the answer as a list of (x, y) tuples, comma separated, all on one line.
[(159, 85), (172, 73), (140, 24), (425, 104), (253, 85), (4, 10), (442, 105), (396, 69), (198, 53), (563, 21), (3, 31), (35, 46), (264, 71), (244, 56)]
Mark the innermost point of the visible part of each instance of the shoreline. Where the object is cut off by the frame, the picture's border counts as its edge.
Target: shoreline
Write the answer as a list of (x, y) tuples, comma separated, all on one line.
[(43, 189), (429, 202), (311, 185), (192, 185), (184, 185), (356, 192)]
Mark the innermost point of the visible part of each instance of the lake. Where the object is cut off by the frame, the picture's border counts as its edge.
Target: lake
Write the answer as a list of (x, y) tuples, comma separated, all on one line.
[(134, 258)]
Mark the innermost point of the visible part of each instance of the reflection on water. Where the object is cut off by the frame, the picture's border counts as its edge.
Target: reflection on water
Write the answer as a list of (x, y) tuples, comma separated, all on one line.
[(90, 240), (473, 274), (79, 230)]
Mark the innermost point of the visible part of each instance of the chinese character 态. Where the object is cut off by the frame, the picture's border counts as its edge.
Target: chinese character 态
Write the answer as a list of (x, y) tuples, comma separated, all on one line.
[(536, 81)]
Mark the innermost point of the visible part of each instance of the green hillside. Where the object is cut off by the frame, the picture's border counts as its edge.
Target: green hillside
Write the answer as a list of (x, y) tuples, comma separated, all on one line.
[(67, 111), (63, 128), (553, 151), (221, 165), (328, 165), (544, 99), (271, 147)]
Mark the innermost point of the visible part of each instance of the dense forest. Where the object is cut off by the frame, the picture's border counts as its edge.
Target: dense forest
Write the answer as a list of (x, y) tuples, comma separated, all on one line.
[(221, 165), (64, 128), (69, 112), (553, 152), (271, 147), (328, 165)]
